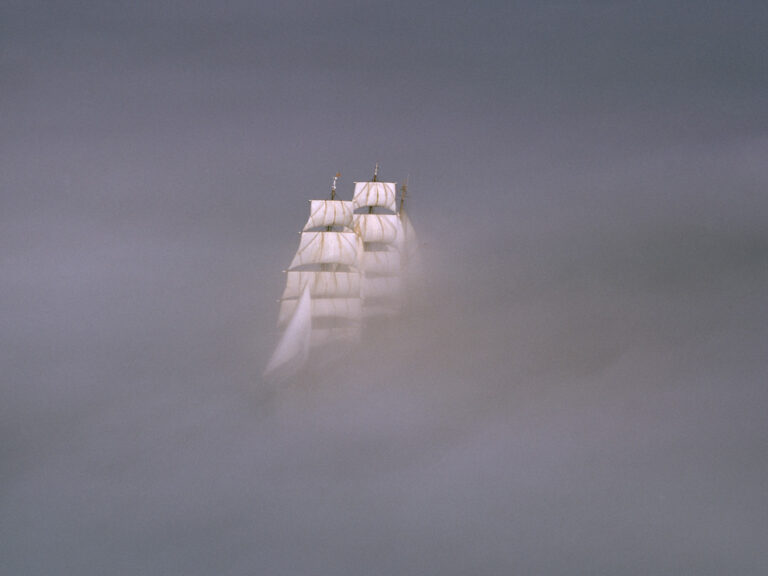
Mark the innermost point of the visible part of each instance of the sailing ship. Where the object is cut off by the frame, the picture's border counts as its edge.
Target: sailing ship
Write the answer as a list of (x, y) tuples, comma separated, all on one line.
[(348, 271)]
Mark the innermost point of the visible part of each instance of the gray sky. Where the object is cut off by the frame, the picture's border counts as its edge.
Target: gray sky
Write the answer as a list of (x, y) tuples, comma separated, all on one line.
[(582, 389)]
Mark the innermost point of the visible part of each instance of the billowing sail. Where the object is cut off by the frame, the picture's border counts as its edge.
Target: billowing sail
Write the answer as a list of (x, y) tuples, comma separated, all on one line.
[(348, 308), (385, 262), (324, 213), (377, 194), (326, 248), (384, 228), (322, 284), (293, 348), (353, 265), (382, 235)]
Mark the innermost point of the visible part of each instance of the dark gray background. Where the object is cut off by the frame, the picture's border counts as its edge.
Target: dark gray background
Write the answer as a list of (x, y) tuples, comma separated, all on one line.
[(584, 389)]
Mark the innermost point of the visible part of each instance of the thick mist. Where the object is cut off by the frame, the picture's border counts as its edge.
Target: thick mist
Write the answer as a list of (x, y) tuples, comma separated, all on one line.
[(578, 388)]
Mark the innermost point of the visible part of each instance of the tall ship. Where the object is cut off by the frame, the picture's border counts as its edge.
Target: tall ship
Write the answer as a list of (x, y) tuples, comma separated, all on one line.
[(348, 272)]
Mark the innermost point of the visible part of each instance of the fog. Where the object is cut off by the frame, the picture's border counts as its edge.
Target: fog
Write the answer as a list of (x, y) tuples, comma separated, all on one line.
[(578, 388)]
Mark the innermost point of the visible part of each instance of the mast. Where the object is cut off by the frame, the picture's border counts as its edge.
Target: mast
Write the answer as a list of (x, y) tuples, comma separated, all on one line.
[(409, 250), (325, 268), (379, 227), (333, 185), (403, 193), (333, 193), (350, 264), (375, 179)]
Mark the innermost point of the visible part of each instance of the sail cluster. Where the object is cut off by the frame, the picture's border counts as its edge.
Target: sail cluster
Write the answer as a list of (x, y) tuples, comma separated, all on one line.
[(349, 267)]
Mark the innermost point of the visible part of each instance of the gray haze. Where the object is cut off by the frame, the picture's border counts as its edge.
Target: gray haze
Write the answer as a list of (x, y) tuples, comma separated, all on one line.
[(582, 389)]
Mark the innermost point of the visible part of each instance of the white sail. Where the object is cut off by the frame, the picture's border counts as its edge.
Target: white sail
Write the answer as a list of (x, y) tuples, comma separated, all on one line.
[(385, 262), (329, 213), (349, 267), (381, 287), (349, 308), (293, 346), (322, 284), (326, 248), (381, 194), (384, 228)]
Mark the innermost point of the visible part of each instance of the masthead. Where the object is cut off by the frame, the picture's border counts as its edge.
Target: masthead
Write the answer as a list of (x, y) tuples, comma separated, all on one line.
[(333, 185)]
